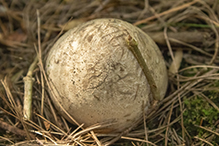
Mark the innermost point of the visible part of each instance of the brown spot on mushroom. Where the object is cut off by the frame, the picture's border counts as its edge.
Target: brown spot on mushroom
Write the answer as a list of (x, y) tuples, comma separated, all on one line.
[(97, 97), (89, 38), (85, 84), (127, 115), (56, 61)]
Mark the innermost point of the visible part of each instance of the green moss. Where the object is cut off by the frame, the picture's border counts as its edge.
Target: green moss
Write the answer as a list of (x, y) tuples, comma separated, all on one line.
[(200, 112)]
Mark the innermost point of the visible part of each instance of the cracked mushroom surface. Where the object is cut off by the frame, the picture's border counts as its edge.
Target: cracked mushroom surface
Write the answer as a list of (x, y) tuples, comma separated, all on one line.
[(96, 78)]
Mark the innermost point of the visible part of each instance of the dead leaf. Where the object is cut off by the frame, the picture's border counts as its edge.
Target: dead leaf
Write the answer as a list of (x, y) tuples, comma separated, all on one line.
[(47, 125), (175, 65), (17, 36), (71, 24)]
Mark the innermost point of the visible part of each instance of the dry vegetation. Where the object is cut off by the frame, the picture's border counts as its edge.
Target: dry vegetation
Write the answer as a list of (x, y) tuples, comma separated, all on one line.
[(186, 32)]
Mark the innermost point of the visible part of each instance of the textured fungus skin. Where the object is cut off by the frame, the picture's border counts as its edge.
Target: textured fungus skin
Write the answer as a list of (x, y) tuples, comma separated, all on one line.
[(97, 79)]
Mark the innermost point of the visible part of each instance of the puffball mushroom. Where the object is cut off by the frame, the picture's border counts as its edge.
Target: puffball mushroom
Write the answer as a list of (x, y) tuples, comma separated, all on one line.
[(105, 71)]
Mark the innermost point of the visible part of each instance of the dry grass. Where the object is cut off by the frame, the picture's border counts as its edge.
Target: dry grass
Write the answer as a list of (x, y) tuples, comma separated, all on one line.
[(186, 32)]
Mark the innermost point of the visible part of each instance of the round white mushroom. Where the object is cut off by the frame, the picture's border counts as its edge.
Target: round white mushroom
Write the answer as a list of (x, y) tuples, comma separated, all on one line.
[(103, 71)]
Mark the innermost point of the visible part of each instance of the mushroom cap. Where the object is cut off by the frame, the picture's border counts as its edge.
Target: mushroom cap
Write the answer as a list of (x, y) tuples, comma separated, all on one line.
[(97, 79)]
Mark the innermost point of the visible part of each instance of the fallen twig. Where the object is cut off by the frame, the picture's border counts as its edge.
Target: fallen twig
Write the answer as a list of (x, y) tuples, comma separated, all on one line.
[(28, 83), (14, 130)]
